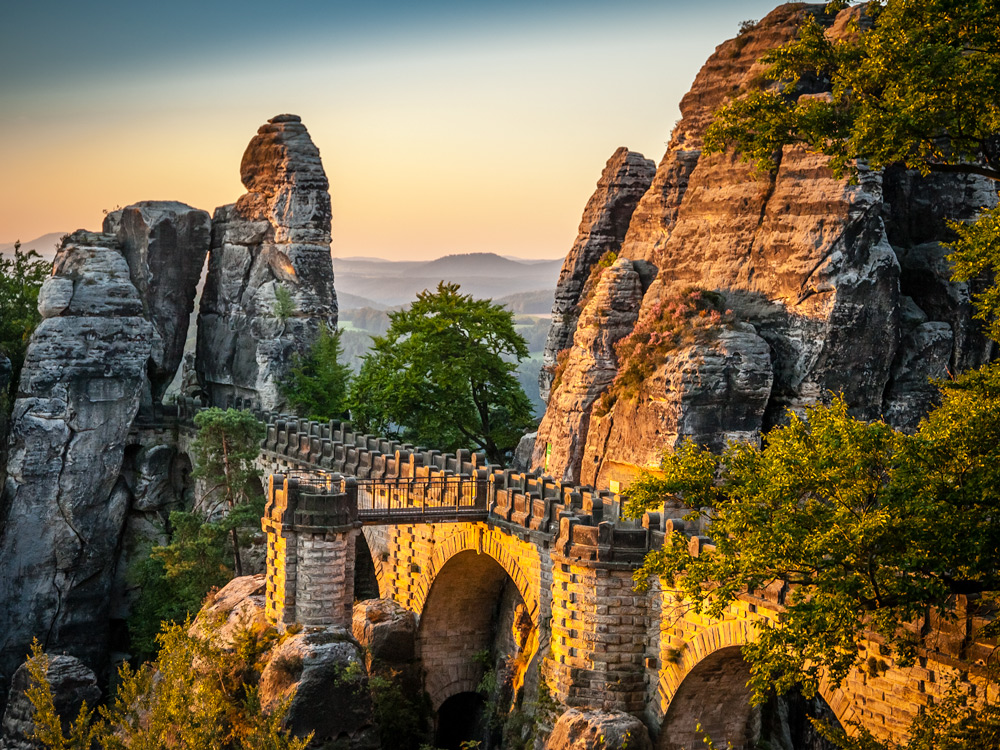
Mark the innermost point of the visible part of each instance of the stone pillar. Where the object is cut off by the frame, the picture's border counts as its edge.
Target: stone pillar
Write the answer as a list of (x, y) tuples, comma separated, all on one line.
[(599, 624), (311, 526)]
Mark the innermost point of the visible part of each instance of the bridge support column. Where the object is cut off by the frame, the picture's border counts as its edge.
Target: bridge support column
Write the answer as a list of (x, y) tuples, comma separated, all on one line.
[(599, 624), (311, 534)]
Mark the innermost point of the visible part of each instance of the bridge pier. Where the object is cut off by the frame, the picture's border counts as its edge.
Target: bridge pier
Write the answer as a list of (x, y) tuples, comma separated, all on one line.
[(311, 528)]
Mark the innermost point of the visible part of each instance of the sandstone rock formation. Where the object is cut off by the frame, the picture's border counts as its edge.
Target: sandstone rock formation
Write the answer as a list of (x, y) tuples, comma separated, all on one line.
[(387, 629), (625, 179), (165, 244), (587, 371), (72, 684), (64, 501), (840, 288), (270, 248), (579, 729)]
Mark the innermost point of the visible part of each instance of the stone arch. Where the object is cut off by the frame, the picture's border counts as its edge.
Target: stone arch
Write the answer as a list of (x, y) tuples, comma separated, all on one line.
[(368, 573), (474, 606), (708, 674), (502, 548)]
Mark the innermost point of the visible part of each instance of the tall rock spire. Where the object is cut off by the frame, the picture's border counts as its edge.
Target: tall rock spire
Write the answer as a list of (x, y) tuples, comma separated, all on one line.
[(270, 275)]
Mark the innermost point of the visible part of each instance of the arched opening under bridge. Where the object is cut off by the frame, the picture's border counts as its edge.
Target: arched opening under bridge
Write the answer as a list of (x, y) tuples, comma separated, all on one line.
[(475, 639), (713, 701)]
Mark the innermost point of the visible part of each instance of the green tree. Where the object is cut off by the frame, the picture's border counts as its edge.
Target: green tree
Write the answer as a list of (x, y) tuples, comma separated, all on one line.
[(317, 384), (224, 455), (444, 375), (175, 578), (195, 695), (21, 278)]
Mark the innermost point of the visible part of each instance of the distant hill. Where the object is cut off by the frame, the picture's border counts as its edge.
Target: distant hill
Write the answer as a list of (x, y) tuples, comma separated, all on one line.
[(347, 301), (483, 275), (529, 303), (44, 245)]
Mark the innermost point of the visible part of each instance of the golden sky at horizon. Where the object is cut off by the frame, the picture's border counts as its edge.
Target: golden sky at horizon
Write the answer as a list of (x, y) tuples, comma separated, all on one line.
[(447, 141)]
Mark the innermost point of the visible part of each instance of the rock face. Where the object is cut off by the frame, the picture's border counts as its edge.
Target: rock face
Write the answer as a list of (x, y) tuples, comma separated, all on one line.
[(625, 179), (387, 629), (839, 288), (64, 501), (71, 682), (588, 369), (270, 276), (165, 244), (579, 729)]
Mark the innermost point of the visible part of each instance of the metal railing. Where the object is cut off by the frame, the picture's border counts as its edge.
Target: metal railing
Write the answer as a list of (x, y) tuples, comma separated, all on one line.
[(422, 500)]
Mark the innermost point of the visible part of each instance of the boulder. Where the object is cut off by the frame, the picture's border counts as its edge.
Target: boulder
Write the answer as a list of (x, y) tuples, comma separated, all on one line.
[(323, 670), (65, 502), (165, 244), (270, 275), (581, 729), (387, 629), (72, 685), (236, 606), (625, 179)]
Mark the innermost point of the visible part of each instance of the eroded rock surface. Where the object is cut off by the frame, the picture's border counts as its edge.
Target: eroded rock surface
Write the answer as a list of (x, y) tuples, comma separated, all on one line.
[(270, 276), (841, 288), (605, 221), (589, 368), (72, 684), (165, 244), (64, 502), (580, 729), (387, 629)]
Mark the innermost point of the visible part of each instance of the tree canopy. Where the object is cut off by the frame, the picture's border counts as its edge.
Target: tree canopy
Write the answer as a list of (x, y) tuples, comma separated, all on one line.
[(317, 384), (444, 375), (224, 454), (21, 278)]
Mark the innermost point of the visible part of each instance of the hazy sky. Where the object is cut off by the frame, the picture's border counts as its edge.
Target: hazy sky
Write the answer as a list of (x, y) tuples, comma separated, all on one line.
[(444, 126)]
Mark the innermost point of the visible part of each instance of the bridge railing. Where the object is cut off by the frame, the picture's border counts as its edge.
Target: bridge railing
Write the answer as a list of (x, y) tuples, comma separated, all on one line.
[(408, 500)]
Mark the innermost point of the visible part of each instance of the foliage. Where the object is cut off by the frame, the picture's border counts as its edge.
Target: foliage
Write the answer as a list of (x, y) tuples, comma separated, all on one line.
[(284, 303), (401, 719), (442, 375), (21, 278), (916, 82), (174, 580), (694, 316), (224, 455), (317, 384), (194, 695), (868, 526)]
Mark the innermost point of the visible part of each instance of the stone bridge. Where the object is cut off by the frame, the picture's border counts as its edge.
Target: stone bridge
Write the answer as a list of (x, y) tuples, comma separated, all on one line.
[(480, 552)]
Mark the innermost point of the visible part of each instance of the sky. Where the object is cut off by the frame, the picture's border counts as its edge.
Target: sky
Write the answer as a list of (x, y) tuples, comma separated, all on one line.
[(445, 126)]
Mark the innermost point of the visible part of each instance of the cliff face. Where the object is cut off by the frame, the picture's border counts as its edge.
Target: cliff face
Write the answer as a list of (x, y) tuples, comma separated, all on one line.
[(64, 501), (834, 287), (605, 221), (165, 244), (270, 248)]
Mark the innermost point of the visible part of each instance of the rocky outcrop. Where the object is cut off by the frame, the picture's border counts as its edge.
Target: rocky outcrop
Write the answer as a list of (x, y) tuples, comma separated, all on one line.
[(165, 244), (605, 221), (386, 629), (72, 684), (840, 288), (587, 370), (579, 729), (64, 501), (270, 276)]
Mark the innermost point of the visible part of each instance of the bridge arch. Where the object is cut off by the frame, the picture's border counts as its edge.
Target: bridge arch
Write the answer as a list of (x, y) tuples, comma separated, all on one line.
[(507, 551), (704, 684), (475, 600)]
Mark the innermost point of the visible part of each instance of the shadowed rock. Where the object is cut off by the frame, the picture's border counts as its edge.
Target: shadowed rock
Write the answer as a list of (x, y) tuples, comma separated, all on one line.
[(165, 244), (64, 502)]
